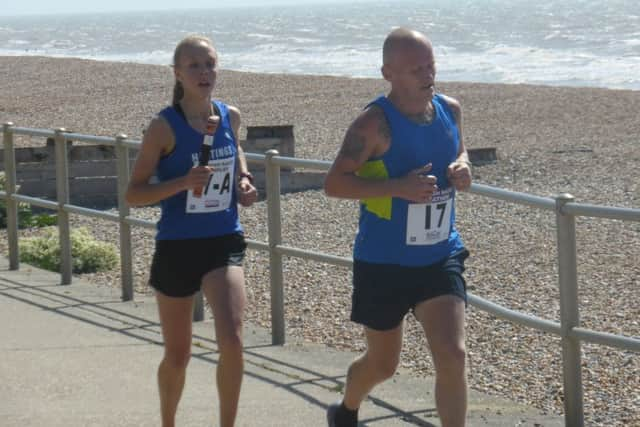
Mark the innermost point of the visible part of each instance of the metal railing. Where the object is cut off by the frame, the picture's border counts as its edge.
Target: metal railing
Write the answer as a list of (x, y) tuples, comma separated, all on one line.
[(564, 206)]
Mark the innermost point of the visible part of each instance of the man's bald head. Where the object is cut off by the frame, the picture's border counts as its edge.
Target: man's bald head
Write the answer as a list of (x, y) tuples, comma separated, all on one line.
[(401, 39)]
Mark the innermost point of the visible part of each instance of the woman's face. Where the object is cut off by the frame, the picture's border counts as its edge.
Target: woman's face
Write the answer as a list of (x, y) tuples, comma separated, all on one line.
[(197, 69)]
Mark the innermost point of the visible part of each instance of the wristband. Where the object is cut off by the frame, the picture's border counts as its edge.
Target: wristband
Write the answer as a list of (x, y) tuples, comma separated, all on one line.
[(247, 175)]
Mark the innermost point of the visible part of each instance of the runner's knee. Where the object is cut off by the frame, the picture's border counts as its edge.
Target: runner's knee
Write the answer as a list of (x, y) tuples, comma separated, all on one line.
[(230, 343), (451, 357), (177, 357)]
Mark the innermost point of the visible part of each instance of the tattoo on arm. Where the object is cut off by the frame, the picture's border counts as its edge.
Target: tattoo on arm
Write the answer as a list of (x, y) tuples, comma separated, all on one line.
[(353, 145), (383, 128)]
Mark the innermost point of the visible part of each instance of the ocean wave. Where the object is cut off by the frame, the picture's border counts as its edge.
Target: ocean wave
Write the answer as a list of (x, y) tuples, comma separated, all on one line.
[(471, 44)]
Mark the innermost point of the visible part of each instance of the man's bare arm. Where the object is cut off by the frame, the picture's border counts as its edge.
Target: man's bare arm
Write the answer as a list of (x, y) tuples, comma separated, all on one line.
[(369, 137), (459, 172)]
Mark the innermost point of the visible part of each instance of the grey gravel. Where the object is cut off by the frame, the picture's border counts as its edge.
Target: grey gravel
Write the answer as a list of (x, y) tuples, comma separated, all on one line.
[(549, 140)]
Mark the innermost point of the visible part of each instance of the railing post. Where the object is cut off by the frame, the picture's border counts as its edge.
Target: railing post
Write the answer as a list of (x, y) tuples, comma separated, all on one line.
[(569, 313), (126, 264), (62, 193), (10, 188), (198, 307), (275, 238)]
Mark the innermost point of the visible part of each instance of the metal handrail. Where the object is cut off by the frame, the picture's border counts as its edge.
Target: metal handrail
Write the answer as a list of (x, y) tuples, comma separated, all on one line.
[(564, 206)]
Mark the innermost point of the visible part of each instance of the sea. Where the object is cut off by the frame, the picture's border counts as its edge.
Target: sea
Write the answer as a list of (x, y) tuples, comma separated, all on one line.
[(592, 43)]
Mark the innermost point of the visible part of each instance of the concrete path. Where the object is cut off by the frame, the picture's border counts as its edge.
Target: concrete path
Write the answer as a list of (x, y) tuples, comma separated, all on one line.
[(76, 356)]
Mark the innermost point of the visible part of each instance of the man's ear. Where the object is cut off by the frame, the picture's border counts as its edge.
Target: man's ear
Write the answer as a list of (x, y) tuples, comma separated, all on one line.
[(386, 72)]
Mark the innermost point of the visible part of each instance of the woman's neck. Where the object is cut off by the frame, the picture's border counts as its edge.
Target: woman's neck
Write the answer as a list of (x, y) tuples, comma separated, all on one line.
[(197, 109)]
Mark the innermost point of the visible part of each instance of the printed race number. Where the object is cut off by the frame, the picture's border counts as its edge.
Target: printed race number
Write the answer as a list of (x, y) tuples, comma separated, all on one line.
[(218, 190), (428, 224)]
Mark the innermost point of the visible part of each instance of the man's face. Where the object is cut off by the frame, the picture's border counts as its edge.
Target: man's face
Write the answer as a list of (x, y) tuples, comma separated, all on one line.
[(412, 71)]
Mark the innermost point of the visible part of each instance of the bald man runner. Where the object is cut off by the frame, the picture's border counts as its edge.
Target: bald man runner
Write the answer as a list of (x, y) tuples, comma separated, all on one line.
[(404, 158)]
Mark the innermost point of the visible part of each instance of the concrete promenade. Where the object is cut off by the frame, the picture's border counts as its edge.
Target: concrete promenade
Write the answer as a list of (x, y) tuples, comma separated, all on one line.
[(77, 356)]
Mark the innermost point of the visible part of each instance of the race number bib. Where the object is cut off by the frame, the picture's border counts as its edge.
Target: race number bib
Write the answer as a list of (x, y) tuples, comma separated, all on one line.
[(428, 224), (216, 195)]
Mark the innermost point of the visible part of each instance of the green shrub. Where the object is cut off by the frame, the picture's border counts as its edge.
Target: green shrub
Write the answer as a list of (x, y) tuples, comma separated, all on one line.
[(89, 255), (26, 218), (24, 215), (42, 220)]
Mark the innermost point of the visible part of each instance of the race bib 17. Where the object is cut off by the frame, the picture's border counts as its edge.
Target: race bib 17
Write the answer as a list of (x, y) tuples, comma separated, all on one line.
[(429, 223)]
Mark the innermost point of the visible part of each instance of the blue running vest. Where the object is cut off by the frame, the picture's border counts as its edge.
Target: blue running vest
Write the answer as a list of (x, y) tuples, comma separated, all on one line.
[(383, 234), (175, 223)]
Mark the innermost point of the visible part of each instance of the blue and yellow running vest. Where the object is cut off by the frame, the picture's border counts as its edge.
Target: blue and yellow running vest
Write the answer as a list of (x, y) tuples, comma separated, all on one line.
[(180, 219), (392, 230)]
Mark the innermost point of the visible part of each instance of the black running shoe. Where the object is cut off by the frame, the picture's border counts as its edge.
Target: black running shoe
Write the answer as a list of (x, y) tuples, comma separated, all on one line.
[(331, 414)]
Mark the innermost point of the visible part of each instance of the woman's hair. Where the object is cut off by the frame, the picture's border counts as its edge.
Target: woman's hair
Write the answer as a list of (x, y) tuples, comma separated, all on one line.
[(193, 40)]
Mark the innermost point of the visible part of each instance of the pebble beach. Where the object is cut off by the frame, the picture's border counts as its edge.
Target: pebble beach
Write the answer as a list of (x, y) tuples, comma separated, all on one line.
[(549, 140)]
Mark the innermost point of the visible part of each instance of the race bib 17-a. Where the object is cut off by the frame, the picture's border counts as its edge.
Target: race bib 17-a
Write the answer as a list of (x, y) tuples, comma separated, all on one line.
[(217, 193)]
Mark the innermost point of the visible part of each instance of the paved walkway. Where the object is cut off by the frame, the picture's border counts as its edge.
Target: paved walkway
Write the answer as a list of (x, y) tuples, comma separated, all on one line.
[(76, 356)]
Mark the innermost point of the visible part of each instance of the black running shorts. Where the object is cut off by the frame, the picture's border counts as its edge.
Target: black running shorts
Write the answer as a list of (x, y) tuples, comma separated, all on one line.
[(179, 265), (384, 293)]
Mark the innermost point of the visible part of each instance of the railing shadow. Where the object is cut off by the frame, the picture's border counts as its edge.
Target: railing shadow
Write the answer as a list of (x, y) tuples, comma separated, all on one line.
[(563, 206), (106, 311)]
